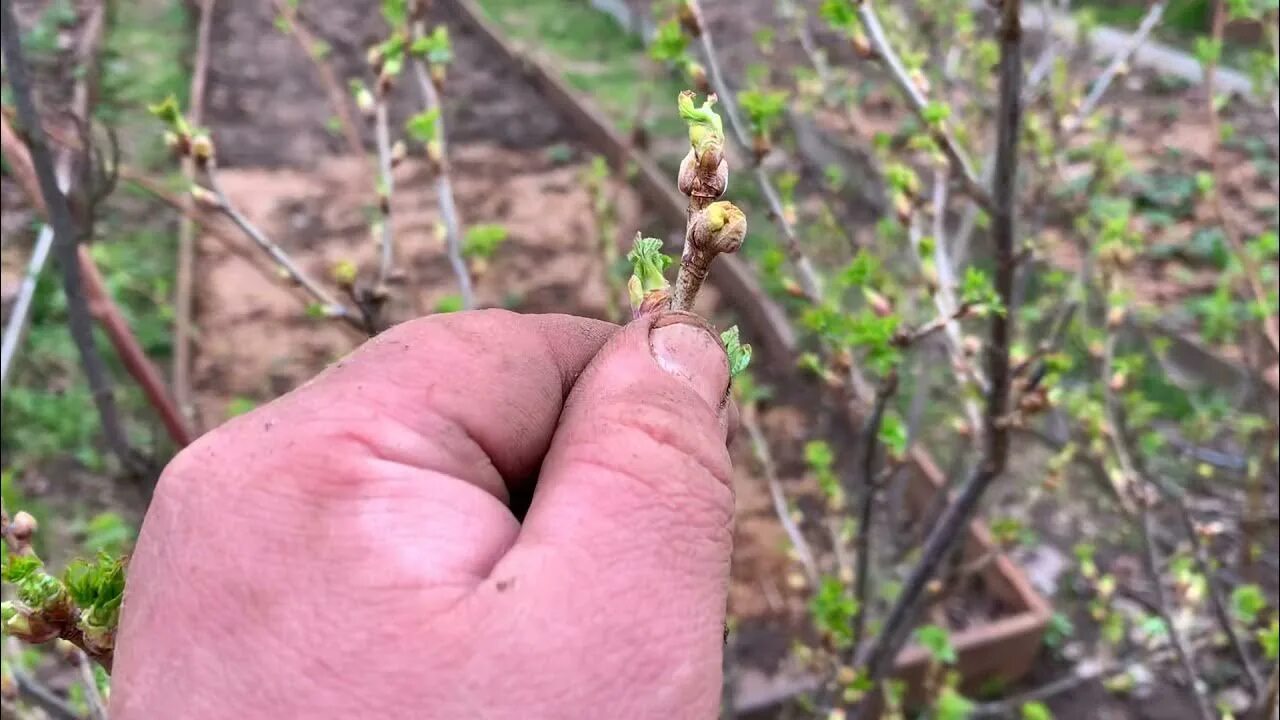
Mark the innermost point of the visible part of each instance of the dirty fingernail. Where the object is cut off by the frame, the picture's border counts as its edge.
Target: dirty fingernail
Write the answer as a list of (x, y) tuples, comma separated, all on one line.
[(686, 347)]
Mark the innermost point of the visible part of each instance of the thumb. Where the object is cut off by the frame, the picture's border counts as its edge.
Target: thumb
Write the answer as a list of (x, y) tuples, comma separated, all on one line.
[(639, 456), (634, 501)]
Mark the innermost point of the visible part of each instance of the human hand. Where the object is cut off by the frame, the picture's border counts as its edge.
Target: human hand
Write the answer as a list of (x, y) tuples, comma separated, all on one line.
[(348, 550)]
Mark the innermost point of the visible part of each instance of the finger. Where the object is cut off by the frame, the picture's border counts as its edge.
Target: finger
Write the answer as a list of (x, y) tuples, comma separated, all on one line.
[(634, 499), (411, 441)]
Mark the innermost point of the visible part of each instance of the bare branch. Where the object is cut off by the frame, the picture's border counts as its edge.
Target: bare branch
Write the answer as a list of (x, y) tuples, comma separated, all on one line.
[(92, 696), (879, 656), (79, 321), (869, 442), (184, 281), (331, 307), (760, 448), (1119, 62), (959, 160), (444, 186), (386, 190)]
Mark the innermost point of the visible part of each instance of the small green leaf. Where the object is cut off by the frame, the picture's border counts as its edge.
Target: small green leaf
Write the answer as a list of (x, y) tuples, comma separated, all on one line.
[(648, 263), (739, 354), (1247, 602), (449, 303), (1035, 711), (483, 240), (833, 609), (839, 14), (706, 129), (893, 433), (937, 642), (424, 126)]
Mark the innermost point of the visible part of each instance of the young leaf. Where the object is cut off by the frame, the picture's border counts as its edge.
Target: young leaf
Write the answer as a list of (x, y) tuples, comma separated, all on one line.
[(739, 354), (937, 642), (706, 129), (648, 263), (1247, 602), (833, 609), (483, 240)]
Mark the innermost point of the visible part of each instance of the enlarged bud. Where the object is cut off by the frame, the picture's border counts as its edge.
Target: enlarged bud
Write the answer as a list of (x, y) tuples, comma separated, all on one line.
[(201, 148), (719, 228), (1118, 381), (760, 146), (1115, 317), (861, 46), (698, 75), (971, 344), (24, 525), (205, 198), (694, 182), (398, 153), (878, 303), (689, 20), (902, 207), (439, 72), (344, 273)]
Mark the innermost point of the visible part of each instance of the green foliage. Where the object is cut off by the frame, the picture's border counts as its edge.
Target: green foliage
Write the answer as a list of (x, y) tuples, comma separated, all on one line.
[(833, 609), (893, 433), (424, 127), (36, 588), (449, 303), (935, 113), (435, 48), (937, 642), (1247, 603), (1269, 639), (821, 461), (739, 353), (1035, 711), (97, 588), (839, 14), (977, 291), (669, 43), (648, 264), (764, 109), (951, 705), (482, 241)]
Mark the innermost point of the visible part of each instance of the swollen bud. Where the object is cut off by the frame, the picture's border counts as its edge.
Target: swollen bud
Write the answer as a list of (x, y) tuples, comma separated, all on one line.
[(878, 303), (719, 228), (695, 182), (23, 527)]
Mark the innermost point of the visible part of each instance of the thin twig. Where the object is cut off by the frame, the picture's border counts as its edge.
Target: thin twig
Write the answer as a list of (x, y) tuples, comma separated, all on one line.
[(879, 656), (92, 695), (386, 190), (16, 326), (332, 88), (959, 160), (331, 306), (810, 282), (869, 442), (79, 320), (184, 281), (760, 448), (1128, 465), (444, 186), (1119, 62)]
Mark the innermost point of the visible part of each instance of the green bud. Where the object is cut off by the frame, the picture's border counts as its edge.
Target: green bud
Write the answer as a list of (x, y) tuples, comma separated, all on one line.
[(706, 130), (648, 264), (739, 353)]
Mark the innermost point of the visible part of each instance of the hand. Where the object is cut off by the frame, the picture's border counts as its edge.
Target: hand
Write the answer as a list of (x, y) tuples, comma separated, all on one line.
[(348, 551)]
